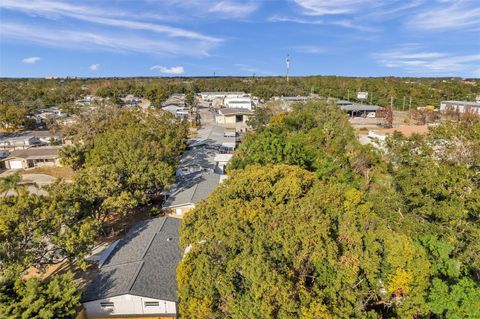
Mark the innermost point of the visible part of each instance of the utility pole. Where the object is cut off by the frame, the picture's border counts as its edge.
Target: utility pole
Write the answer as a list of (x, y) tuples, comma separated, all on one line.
[(410, 104), (287, 61), (348, 95), (403, 105)]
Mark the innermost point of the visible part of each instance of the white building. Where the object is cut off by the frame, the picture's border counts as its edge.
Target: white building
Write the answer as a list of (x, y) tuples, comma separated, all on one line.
[(137, 275), (460, 107), (244, 102), (210, 96)]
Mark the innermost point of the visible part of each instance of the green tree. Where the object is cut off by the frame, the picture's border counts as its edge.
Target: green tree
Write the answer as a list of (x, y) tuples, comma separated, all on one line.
[(34, 299), (275, 242)]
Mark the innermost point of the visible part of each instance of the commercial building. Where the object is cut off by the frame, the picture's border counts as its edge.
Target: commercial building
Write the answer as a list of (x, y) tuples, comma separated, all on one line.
[(210, 96), (238, 102), (233, 115), (460, 107), (358, 110)]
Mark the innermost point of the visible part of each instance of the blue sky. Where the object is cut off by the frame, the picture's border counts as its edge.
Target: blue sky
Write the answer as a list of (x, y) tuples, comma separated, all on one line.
[(232, 37)]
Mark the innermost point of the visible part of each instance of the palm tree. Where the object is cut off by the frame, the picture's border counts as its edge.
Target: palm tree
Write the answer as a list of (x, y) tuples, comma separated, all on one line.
[(10, 182)]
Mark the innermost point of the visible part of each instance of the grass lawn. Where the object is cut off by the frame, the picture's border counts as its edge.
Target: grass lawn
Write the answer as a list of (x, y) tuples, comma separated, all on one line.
[(65, 173)]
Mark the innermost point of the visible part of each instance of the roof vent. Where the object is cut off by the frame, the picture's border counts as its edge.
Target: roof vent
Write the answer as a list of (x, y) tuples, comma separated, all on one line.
[(169, 239)]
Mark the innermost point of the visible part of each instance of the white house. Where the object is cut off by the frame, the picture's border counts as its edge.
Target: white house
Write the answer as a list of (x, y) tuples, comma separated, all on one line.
[(137, 277)]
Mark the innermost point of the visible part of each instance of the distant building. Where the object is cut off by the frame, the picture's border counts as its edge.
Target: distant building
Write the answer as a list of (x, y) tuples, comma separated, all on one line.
[(238, 102), (131, 100), (233, 115), (460, 107), (177, 110), (210, 96), (358, 110), (26, 139), (33, 157), (175, 99), (137, 274)]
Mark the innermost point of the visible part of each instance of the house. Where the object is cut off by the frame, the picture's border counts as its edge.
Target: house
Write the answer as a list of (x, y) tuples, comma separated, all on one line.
[(177, 110), (175, 99), (189, 190), (233, 115), (33, 157), (460, 107), (238, 102), (137, 274), (27, 139)]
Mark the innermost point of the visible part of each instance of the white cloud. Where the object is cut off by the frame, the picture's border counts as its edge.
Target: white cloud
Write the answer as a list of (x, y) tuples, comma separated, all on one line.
[(90, 40), (31, 60), (326, 7), (234, 9), (309, 49), (413, 61), (213, 9), (94, 67), (341, 23), (456, 14), (98, 16), (165, 70), (159, 40), (377, 8)]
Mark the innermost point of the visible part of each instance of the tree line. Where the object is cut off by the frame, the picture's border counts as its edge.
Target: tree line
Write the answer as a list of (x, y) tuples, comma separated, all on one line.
[(311, 224), (32, 94), (122, 160)]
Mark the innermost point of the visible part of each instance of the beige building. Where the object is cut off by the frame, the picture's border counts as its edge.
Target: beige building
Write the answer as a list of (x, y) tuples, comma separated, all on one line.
[(33, 157), (233, 115)]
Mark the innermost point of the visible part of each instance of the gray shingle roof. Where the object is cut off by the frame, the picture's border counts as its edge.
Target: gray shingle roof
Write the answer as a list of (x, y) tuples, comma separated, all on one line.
[(50, 152), (192, 188), (143, 263)]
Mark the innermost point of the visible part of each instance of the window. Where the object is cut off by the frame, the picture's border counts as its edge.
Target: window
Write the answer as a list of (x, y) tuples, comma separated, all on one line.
[(152, 304), (107, 304)]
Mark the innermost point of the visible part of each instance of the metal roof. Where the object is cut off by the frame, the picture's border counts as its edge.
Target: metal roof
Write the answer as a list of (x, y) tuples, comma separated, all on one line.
[(143, 263), (473, 104), (235, 111), (360, 107)]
